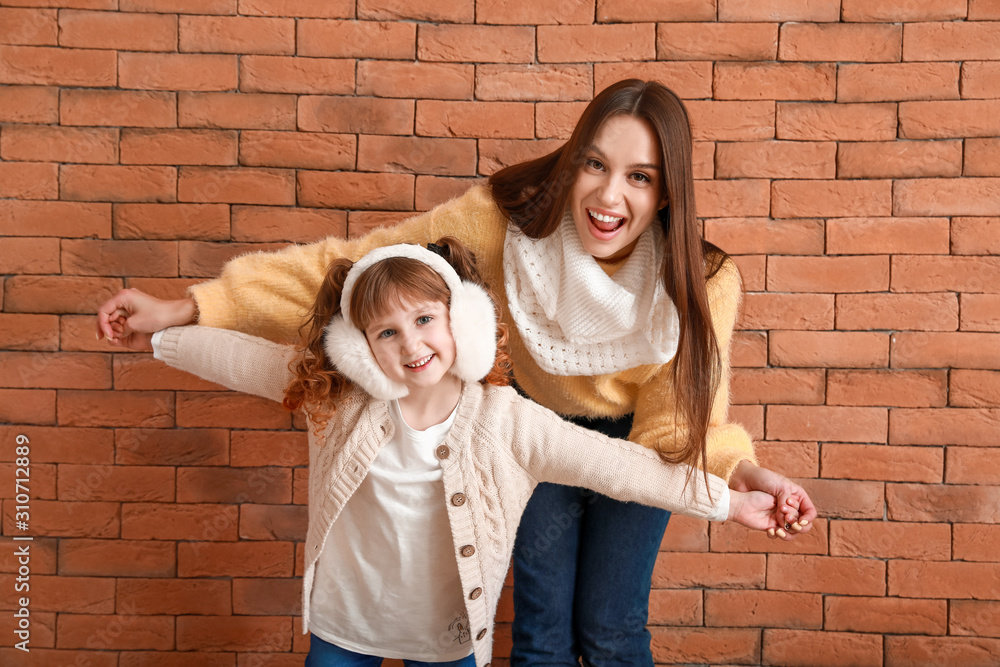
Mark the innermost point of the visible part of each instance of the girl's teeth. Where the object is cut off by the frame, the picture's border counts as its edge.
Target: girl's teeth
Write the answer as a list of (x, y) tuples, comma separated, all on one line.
[(418, 364)]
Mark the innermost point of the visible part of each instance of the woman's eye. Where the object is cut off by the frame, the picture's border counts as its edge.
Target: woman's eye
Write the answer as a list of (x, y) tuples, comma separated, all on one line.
[(595, 164), (426, 319), (642, 178)]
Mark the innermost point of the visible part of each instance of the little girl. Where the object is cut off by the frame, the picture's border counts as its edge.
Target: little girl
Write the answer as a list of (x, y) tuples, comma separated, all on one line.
[(421, 460)]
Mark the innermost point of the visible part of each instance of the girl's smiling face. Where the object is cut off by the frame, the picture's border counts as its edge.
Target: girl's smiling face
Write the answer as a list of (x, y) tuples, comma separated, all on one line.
[(617, 192)]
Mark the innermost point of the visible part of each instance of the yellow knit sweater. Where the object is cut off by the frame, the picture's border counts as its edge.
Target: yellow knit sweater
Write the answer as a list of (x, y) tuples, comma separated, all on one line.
[(269, 294)]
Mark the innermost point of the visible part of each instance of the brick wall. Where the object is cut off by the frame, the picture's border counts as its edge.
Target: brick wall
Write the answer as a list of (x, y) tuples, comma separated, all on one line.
[(848, 156)]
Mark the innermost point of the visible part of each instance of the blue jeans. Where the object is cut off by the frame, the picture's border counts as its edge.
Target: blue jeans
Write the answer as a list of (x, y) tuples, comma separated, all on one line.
[(325, 654), (583, 565)]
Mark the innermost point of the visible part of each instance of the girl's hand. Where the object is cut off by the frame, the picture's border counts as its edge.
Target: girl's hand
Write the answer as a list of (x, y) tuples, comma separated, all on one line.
[(133, 313), (791, 510), (134, 341)]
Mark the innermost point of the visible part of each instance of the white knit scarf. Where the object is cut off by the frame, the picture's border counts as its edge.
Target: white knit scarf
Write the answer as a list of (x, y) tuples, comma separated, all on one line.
[(574, 318)]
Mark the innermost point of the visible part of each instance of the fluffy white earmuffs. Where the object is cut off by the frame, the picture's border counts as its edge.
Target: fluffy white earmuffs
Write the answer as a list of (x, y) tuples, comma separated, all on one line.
[(471, 313)]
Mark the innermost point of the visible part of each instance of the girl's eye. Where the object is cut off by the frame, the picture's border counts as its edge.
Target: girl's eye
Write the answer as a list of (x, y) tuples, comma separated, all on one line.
[(425, 319), (387, 333)]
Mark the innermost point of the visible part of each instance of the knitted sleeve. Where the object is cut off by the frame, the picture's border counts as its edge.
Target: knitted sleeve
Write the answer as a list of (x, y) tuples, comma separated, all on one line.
[(655, 423), (269, 294), (236, 361), (552, 450)]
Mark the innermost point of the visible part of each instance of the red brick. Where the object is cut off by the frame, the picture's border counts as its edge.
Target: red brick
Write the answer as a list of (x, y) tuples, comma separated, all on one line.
[(553, 120), (776, 159), (840, 42), (229, 409), (614, 11), (64, 445), (308, 150), (954, 580), (352, 115), (597, 43), (245, 111), (117, 30), (890, 11), (787, 311), (497, 120), (278, 74), (779, 10), (58, 294), (171, 221), (119, 408), (803, 121), (334, 9), (177, 71), (688, 79), (797, 199), (445, 81), (455, 157), (180, 6), (731, 537), (29, 104), (946, 350), (118, 183), (749, 349), (750, 417), (828, 274), (828, 423), (685, 533), (86, 483), (795, 459), (124, 258), (686, 570), (980, 312), (974, 388), (45, 143), (976, 236), (733, 198), (886, 615), (846, 499), (976, 542), (207, 259), (64, 519), (979, 80), (163, 521), (883, 462), (951, 40), (945, 426), (907, 389), (918, 312), (116, 632), (125, 108), (267, 448), (494, 154), (433, 190), (731, 121), (29, 332), (271, 485), (896, 82), (356, 190), (763, 609), (675, 608), (981, 156), (959, 274), (53, 218), (357, 39), (476, 43), (298, 225), (899, 159), (777, 385), (29, 256), (819, 349), (235, 559), (972, 465), (984, 10), (273, 522), (941, 503), (705, 645), (55, 66), (176, 147), (29, 180), (947, 119), (81, 595), (237, 186), (237, 34), (116, 558), (169, 447), (60, 657), (39, 370), (175, 596), (825, 574), (254, 634), (263, 597), (444, 11), (716, 41), (534, 83), (916, 651), (829, 649), (765, 236), (975, 618), (28, 27)]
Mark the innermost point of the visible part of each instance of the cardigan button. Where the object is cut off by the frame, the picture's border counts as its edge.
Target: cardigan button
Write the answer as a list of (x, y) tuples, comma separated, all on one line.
[(476, 593), (468, 550), (458, 499), (443, 452), (482, 633)]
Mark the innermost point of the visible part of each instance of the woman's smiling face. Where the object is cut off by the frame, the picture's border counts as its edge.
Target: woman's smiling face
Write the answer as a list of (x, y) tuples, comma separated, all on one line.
[(617, 193)]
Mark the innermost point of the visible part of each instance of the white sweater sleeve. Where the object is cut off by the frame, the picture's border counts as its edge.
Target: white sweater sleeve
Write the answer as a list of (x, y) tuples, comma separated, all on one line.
[(235, 360)]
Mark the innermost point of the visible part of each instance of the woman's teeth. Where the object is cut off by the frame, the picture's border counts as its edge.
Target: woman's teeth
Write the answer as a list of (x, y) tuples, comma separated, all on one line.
[(605, 223), (420, 362)]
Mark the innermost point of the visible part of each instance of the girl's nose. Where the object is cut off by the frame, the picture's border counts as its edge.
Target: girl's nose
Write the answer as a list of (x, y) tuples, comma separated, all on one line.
[(409, 342)]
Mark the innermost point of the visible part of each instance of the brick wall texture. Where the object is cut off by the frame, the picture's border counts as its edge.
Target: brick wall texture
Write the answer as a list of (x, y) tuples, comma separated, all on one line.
[(847, 155)]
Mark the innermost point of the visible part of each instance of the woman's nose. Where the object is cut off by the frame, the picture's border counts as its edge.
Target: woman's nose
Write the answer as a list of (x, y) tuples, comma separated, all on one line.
[(610, 192)]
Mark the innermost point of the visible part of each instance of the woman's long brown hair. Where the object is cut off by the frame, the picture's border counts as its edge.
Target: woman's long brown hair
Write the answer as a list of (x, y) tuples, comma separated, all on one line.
[(316, 385), (535, 195)]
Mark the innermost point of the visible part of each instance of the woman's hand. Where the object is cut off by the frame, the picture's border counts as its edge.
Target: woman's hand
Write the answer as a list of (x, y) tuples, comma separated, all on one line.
[(789, 509), (130, 313)]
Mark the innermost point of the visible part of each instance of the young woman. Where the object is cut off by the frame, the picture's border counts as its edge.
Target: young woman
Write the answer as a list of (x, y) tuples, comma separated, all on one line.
[(620, 314), (421, 459)]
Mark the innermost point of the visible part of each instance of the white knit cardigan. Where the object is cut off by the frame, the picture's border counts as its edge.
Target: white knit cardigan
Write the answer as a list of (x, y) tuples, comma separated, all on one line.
[(500, 446)]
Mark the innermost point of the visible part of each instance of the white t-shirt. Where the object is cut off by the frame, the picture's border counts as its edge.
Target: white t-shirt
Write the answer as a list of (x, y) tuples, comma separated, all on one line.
[(387, 579)]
